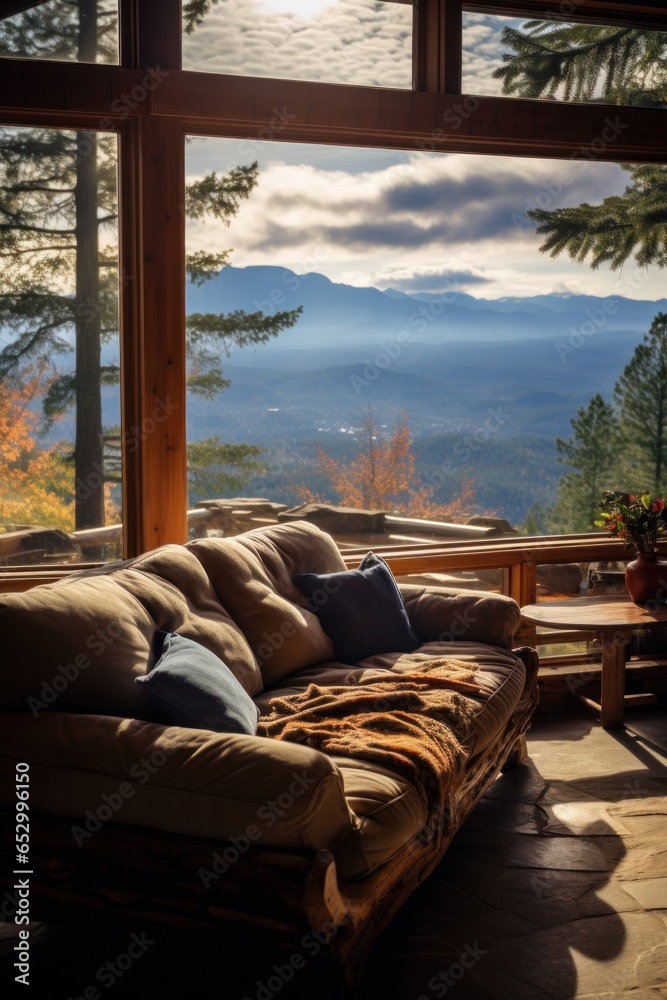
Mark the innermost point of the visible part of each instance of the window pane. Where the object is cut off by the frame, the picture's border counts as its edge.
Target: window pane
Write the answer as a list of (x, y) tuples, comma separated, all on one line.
[(59, 347), (361, 42), (560, 60), (66, 30), (386, 336)]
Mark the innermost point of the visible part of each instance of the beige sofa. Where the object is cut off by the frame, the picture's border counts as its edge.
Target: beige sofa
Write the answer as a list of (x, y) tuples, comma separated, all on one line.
[(325, 836)]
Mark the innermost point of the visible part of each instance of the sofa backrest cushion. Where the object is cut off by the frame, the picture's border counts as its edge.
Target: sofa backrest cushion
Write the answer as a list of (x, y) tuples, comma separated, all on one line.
[(78, 644), (75, 646), (180, 598), (252, 577)]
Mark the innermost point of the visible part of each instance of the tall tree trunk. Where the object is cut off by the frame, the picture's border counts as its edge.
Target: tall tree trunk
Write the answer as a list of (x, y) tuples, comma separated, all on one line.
[(89, 445)]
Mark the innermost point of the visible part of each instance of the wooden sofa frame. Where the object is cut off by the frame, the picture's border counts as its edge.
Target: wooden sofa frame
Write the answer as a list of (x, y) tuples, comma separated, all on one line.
[(131, 872)]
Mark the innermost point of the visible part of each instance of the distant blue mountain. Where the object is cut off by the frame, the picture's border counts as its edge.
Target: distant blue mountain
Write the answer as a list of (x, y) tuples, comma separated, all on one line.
[(339, 315)]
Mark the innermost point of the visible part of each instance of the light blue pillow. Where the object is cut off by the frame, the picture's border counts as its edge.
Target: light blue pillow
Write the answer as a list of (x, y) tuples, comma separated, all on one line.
[(190, 686)]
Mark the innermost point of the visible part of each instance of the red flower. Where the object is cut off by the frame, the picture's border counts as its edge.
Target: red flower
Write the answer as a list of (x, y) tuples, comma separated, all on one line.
[(658, 505)]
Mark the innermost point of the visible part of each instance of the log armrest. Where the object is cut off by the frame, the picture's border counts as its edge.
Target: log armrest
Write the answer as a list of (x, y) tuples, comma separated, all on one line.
[(439, 614)]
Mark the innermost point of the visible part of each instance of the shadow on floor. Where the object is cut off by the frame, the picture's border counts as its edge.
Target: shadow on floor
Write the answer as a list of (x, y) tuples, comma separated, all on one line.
[(552, 889)]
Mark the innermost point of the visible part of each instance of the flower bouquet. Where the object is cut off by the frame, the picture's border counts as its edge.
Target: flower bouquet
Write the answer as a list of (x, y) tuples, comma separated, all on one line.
[(639, 521)]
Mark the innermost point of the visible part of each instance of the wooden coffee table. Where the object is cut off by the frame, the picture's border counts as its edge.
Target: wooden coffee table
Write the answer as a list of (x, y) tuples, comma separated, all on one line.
[(613, 619)]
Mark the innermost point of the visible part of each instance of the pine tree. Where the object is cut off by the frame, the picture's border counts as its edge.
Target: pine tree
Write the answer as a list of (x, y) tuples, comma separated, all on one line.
[(634, 223), (57, 213), (584, 62), (641, 398), (593, 452)]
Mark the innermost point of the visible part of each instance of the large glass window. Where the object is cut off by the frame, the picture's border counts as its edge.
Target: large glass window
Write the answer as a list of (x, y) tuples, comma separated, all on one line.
[(386, 335), (363, 42), (68, 30), (561, 60), (59, 347)]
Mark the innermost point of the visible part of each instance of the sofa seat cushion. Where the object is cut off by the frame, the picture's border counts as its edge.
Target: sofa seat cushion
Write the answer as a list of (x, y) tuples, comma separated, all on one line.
[(389, 813), (252, 577), (389, 810), (101, 769), (501, 673)]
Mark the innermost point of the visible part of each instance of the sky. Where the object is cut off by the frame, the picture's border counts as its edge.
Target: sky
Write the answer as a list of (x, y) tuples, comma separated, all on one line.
[(412, 220)]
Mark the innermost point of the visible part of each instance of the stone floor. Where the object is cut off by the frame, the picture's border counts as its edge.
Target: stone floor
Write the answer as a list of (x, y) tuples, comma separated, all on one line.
[(556, 887)]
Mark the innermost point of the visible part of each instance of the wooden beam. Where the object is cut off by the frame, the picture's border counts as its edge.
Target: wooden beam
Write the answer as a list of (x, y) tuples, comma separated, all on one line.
[(452, 42), (427, 48), (153, 335), (215, 104), (649, 14), (366, 116)]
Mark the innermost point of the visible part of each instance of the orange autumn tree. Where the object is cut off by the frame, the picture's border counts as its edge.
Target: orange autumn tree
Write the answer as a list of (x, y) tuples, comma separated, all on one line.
[(383, 477), (36, 487)]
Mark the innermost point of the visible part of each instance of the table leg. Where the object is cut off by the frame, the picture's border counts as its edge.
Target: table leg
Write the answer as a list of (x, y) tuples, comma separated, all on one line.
[(612, 697)]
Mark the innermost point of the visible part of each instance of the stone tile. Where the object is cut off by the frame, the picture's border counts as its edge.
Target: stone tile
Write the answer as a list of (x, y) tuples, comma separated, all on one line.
[(605, 897), (651, 893), (506, 817), (521, 784), (590, 818), (646, 853), (645, 806), (598, 956), (561, 853), (557, 758)]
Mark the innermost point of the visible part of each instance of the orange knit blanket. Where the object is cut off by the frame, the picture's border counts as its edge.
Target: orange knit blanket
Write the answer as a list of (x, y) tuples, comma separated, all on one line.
[(414, 723)]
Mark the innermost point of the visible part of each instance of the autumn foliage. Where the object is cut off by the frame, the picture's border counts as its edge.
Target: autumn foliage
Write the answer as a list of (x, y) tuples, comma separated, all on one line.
[(36, 486), (383, 477)]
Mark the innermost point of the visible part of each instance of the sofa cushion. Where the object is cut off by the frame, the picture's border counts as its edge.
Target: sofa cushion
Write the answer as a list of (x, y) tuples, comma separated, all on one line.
[(170, 582), (190, 686), (361, 610), (389, 811), (100, 769), (75, 645), (252, 577)]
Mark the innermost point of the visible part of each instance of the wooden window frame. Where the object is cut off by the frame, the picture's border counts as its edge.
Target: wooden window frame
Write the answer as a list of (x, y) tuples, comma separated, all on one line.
[(152, 124)]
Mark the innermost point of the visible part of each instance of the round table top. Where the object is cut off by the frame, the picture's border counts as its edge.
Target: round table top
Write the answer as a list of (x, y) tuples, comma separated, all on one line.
[(599, 613)]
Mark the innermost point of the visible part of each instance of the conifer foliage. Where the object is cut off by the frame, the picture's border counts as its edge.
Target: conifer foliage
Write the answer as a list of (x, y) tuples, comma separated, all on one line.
[(611, 65), (59, 258)]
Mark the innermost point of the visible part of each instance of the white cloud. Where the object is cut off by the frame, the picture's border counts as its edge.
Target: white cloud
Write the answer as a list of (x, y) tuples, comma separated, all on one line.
[(343, 41), (363, 221)]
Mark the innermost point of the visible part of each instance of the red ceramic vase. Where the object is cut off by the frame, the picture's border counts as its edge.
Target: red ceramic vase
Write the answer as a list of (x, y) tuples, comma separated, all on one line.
[(646, 579)]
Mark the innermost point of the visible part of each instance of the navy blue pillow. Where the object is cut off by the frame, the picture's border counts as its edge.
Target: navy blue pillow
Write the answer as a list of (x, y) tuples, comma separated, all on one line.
[(190, 686), (361, 610)]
